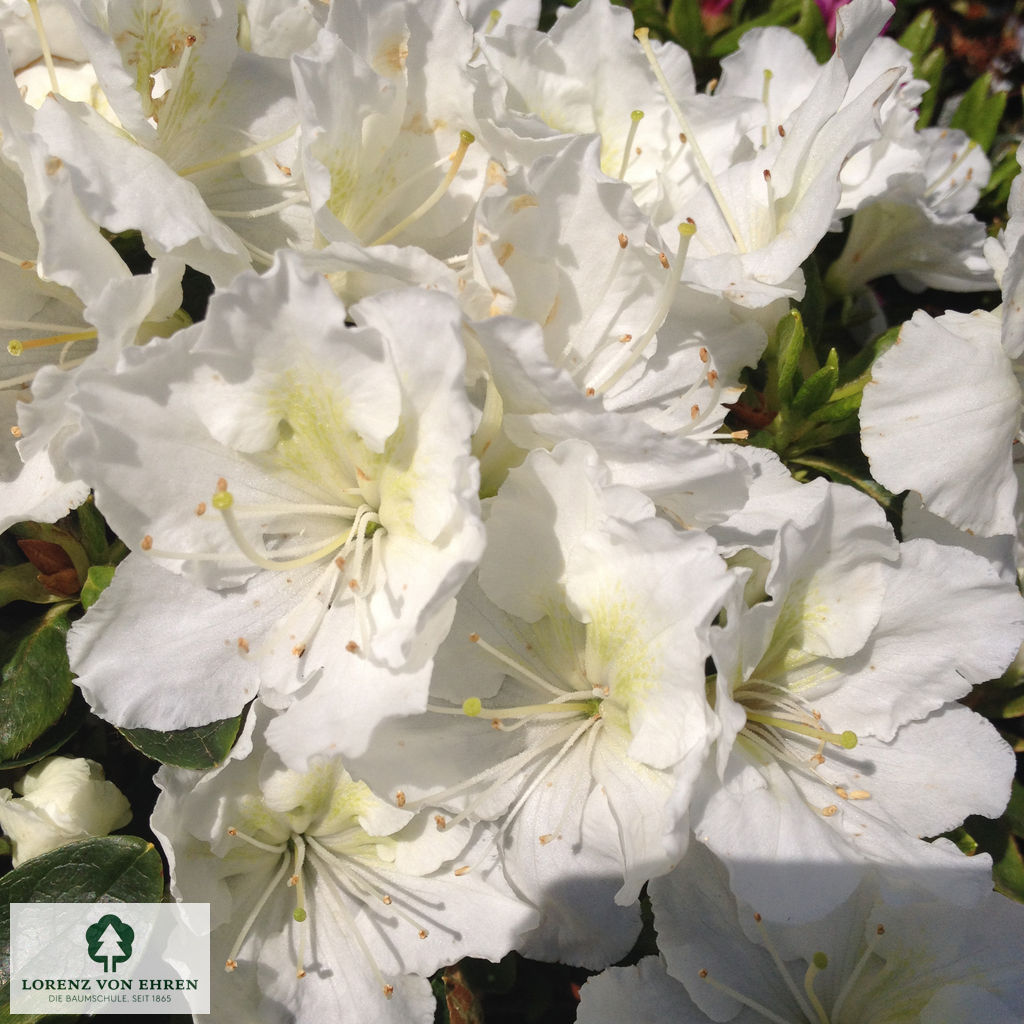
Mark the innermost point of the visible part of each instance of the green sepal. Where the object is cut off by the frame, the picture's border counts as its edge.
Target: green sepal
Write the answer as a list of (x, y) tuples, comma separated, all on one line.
[(97, 580), (980, 112), (92, 529), (199, 748), (115, 869), (35, 682), (789, 346), (818, 388)]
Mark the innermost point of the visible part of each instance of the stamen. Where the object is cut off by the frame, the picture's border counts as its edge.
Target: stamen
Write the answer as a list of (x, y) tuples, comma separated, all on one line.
[(687, 229), (258, 843), (232, 960), (328, 862), (613, 272), (705, 168), (634, 123), (517, 667), (230, 158), (44, 45), (23, 264), (954, 166), (466, 139), (780, 966), (705, 975), (773, 223), (851, 979), (262, 211)]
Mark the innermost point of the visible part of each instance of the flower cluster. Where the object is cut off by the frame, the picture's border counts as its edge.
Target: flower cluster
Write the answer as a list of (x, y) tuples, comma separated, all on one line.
[(441, 496)]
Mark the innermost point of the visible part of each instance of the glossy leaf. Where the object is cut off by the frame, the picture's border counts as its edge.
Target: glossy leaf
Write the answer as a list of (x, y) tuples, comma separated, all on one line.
[(35, 682), (198, 748)]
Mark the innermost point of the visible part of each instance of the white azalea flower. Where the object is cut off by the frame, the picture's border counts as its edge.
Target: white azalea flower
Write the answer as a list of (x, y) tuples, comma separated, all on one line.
[(579, 660), (892, 951), (62, 799), (203, 161), (325, 901), (835, 688), (311, 480)]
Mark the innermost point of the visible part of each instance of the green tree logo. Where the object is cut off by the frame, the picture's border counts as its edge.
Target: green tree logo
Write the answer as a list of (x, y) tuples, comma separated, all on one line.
[(110, 942)]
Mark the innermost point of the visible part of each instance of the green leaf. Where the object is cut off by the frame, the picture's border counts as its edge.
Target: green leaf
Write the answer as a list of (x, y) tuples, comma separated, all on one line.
[(96, 581), (54, 738), (980, 112), (918, 37), (21, 583), (996, 839), (116, 869), (35, 683), (818, 388), (789, 346), (202, 747), (1014, 813)]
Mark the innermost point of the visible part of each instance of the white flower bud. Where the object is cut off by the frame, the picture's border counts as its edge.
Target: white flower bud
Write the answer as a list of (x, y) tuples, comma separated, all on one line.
[(64, 799)]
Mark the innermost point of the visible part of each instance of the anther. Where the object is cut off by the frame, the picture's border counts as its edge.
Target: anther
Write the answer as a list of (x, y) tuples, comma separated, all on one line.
[(782, 132), (704, 354), (712, 377), (201, 508), (386, 900), (400, 798), (441, 822), (623, 240), (147, 543), (388, 991), (464, 870), (423, 933), (694, 411), (16, 432), (243, 644), (352, 647), (859, 794), (299, 650), (663, 260), (625, 339), (830, 811)]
